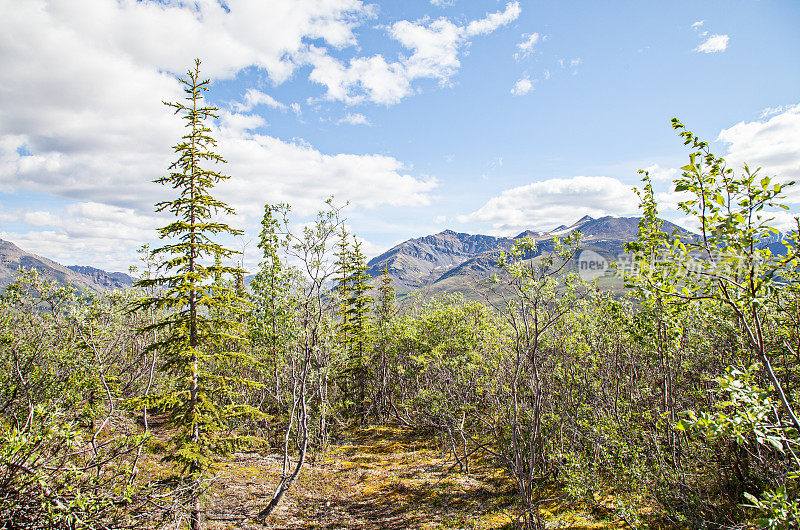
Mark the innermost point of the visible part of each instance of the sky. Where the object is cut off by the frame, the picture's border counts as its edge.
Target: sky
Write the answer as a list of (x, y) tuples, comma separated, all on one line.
[(479, 116)]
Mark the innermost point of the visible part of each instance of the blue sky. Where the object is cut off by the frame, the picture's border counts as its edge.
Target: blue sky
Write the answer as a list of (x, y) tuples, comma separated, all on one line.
[(478, 116)]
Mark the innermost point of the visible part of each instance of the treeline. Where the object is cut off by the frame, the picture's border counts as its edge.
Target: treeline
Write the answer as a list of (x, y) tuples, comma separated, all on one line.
[(677, 398)]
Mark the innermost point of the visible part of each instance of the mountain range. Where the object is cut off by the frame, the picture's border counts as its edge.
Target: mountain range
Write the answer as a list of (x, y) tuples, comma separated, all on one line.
[(445, 262), (84, 278), (451, 261)]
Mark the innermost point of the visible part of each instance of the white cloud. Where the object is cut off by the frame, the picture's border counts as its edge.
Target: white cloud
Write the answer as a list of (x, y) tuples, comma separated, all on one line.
[(241, 122), (543, 205), (370, 249), (40, 218), (440, 219), (443, 3), (364, 78), (267, 169), (253, 98), (435, 46), (354, 119), (771, 144), (522, 86), (492, 21), (714, 44), (698, 24), (86, 123), (525, 48), (86, 233), (572, 63), (658, 173), (771, 111)]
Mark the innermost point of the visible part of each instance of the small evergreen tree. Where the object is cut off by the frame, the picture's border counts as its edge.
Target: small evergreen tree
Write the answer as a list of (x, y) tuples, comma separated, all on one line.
[(343, 278), (384, 313), (195, 324), (354, 323), (272, 322), (358, 311)]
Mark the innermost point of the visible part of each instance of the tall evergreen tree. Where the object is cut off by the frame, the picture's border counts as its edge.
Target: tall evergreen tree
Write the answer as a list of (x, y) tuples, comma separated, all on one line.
[(195, 327), (360, 326), (272, 323), (343, 278), (384, 312)]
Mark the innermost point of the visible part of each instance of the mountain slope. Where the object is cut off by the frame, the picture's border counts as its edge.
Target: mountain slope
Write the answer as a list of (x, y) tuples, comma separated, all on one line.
[(450, 261), (416, 262), (106, 280), (84, 278)]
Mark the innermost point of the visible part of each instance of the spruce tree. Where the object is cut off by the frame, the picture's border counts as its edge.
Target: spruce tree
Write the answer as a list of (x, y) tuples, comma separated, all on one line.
[(360, 325), (195, 326), (342, 279), (273, 327), (384, 312)]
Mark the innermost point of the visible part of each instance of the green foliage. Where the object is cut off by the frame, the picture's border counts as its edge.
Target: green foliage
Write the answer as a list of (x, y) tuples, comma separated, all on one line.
[(777, 508), (66, 363), (725, 273), (355, 325), (196, 336), (32, 494), (627, 406), (747, 413)]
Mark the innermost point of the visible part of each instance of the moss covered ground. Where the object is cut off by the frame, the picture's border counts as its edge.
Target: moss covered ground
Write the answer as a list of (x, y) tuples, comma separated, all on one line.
[(383, 477)]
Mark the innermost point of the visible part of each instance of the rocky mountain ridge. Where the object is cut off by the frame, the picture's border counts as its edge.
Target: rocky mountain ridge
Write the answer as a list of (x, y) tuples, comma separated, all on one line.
[(83, 277), (445, 260)]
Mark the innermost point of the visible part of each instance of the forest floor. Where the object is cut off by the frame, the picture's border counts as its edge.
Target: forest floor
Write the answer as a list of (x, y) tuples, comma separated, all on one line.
[(376, 478)]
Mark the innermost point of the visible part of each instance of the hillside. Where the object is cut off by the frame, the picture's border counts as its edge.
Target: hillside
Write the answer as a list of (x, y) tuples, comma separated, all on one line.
[(453, 262), (84, 278)]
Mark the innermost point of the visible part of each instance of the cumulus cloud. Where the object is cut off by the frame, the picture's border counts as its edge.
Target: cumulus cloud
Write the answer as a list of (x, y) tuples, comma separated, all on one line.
[(241, 122), (771, 144), (354, 119), (435, 47), (658, 173), (268, 169), (522, 86), (546, 204), (767, 143), (714, 44), (86, 123), (363, 79), (492, 21), (106, 233), (37, 218), (526, 47), (253, 98)]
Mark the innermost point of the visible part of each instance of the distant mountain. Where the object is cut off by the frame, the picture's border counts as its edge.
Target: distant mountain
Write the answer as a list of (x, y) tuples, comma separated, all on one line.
[(84, 278), (450, 261), (416, 262), (108, 280)]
